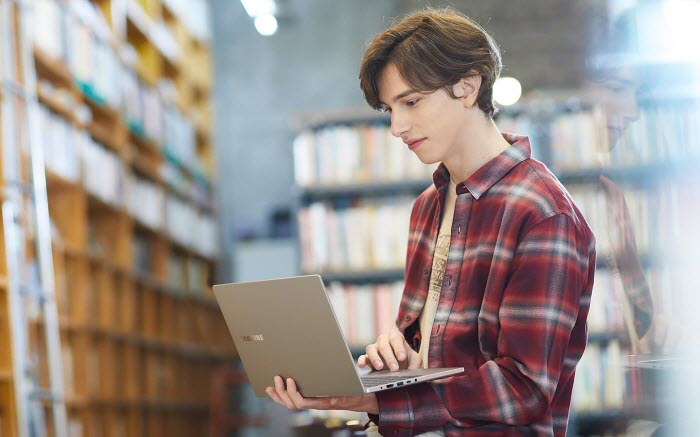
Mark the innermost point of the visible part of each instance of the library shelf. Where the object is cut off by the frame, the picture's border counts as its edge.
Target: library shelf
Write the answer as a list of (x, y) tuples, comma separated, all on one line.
[(362, 189), (52, 68), (140, 337), (58, 107), (361, 276), (612, 419), (345, 117), (643, 174)]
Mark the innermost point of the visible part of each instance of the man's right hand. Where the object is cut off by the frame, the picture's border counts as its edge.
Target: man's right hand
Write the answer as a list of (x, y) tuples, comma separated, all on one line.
[(392, 350)]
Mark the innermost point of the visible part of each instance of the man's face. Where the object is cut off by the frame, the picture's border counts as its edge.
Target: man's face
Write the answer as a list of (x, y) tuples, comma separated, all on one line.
[(429, 123), (616, 93)]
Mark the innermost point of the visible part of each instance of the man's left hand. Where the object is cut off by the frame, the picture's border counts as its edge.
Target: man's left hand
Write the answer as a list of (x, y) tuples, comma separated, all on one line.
[(292, 399)]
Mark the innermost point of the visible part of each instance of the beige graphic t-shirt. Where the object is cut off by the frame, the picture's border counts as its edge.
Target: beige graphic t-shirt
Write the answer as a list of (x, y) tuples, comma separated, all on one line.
[(442, 247)]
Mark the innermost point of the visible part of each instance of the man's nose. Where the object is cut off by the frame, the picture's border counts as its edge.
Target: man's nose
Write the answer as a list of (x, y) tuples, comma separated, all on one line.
[(399, 124)]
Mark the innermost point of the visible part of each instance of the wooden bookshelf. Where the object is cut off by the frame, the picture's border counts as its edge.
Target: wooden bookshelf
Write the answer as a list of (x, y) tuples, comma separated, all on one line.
[(141, 336)]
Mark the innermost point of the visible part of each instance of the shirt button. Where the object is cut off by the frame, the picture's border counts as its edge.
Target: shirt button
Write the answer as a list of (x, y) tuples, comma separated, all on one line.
[(407, 318)]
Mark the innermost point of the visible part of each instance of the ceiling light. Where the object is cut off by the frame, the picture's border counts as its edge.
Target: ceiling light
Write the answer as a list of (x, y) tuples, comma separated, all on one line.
[(507, 91), (266, 24)]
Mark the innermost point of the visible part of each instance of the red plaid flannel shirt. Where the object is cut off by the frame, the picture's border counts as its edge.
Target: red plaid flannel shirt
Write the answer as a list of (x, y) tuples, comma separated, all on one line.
[(513, 303)]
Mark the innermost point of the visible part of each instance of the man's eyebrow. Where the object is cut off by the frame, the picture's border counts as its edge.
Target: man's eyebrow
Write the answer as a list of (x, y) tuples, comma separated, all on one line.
[(402, 95)]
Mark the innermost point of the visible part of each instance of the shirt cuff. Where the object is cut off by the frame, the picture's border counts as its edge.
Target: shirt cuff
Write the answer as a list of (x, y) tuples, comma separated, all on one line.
[(394, 413)]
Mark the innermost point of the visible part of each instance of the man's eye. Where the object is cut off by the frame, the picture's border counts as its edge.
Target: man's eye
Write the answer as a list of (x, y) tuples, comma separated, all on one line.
[(412, 102)]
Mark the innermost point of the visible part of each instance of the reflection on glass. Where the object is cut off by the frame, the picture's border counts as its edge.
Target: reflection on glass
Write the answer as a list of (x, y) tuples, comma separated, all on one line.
[(642, 85)]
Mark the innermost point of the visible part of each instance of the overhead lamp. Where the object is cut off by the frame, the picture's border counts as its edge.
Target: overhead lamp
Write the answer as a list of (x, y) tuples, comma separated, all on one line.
[(507, 91), (266, 24), (263, 13)]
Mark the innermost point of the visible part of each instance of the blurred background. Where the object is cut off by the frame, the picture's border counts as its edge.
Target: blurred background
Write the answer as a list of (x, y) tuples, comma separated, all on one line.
[(153, 148)]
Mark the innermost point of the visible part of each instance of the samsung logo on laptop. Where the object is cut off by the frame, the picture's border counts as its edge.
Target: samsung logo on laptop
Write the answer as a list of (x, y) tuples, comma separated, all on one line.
[(252, 337)]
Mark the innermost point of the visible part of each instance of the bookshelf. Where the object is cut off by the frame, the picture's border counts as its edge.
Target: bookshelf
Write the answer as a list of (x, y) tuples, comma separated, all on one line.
[(130, 173), (355, 186)]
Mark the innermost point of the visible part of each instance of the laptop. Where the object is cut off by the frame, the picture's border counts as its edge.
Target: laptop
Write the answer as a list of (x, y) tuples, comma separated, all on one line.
[(287, 327)]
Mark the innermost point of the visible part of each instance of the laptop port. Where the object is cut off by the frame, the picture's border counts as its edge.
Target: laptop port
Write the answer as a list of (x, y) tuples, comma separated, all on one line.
[(389, 385), (399, 384)]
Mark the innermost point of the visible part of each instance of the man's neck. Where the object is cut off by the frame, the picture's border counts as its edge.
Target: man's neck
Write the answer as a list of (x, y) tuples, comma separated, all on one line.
[(482, 142)]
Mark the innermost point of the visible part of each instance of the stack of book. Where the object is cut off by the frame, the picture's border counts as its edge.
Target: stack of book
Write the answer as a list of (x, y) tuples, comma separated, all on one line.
[(191, 228), (179, 135), (369, 234), (90, 53), (365, 311), (145, 200), (337, 155), (604, 217), (60, 140), (103, 171), (601, 380), (143, 107)]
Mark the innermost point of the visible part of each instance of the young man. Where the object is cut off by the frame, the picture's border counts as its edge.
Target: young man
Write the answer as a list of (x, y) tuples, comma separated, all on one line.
[(500, 262)]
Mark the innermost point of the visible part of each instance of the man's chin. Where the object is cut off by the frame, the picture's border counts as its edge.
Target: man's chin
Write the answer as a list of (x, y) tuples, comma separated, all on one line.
[(426, 159)]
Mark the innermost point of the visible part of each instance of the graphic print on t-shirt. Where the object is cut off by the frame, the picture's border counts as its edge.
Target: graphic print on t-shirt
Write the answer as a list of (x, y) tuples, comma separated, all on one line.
[(442, 247), (439, 263)]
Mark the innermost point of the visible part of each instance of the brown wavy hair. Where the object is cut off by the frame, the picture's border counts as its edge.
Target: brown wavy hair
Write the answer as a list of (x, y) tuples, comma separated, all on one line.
[(433, 49)]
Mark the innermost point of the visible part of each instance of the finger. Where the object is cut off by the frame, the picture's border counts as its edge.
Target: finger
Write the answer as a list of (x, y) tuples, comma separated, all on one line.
[(273, 394), (397, 343), (303, 403), (294, 395), (282, 393), (362, 361), (374, 357), (387, 354), (321, 403)]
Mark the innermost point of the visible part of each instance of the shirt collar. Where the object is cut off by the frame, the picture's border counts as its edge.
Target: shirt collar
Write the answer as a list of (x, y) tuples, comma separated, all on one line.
[(491, 172)]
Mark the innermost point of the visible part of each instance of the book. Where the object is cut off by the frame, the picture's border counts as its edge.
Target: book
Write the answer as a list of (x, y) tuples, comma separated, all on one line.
[(346, 154), (103, 171), (181, 218), (47, 30), (59, 140), (195, 15), (368, 234), (601, 381), (364, 311), (145, 200)]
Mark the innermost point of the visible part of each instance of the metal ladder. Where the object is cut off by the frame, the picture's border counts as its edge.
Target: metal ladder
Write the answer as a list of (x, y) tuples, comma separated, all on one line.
[(24, 203)]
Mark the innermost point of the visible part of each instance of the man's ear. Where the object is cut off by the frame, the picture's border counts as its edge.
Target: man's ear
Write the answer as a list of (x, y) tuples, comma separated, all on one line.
[(467, 89)]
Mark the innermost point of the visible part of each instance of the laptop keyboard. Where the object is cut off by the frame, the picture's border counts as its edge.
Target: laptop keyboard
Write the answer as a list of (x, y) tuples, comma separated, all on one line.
[(373, 381)]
